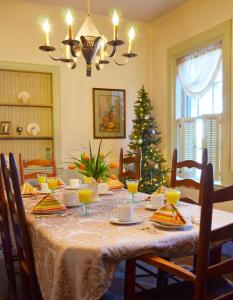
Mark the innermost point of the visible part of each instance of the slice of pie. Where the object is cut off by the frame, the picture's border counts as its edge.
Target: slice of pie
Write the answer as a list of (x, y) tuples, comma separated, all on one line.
[(168, 215), (28, 189)]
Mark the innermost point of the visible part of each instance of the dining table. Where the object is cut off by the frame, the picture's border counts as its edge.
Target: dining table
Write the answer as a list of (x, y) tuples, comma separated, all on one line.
[(76, 256)]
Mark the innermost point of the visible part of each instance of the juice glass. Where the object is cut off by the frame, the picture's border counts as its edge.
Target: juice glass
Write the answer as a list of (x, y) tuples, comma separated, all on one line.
[(132, 186), (172, 196), (85, 197), (41, 178), (52, 183), (86, 179)]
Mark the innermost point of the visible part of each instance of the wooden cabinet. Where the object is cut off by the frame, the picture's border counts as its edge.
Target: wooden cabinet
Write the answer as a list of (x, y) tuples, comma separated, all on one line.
[(38, 109)]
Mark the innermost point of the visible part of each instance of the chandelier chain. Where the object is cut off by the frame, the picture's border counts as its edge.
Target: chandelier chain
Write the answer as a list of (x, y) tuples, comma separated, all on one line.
[(88, 7)]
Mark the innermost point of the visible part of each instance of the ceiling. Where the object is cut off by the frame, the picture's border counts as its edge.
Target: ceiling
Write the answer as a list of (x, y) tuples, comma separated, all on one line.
[(138, 10)]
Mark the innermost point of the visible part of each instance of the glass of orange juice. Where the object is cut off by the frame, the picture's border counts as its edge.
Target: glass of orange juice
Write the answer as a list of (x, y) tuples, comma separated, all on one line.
[(41, 178), (132, 186), (85, 197), (172, 196), (52, 183)]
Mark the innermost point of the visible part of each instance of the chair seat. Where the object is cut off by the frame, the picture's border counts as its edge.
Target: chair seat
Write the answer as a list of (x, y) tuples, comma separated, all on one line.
[(184, 290)]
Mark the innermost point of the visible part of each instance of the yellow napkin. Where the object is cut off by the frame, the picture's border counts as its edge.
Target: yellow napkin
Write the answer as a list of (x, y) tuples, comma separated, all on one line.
[(28, 189), (169, 215), (49, 204)]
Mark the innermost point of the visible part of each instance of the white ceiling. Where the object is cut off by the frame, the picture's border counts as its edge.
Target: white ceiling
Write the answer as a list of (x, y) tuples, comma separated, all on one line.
[(138, 10)]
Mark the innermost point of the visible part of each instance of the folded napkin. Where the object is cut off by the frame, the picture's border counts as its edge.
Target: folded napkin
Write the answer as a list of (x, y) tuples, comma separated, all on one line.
[(28, 189), (49, 204), (115, 184), (169, 215), (60, 182)]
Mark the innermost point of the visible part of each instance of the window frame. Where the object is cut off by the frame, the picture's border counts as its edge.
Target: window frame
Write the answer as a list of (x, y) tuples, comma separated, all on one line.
[(223, 32)]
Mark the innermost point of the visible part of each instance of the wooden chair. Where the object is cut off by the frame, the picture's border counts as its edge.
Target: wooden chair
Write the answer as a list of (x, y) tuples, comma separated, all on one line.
[(23, 242), (40, 163), (136, 160), (208, 282), (9, 257), (187, 182)]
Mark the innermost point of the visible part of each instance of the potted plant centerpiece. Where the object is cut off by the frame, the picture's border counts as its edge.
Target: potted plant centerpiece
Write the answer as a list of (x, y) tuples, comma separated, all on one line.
[(94, 167)]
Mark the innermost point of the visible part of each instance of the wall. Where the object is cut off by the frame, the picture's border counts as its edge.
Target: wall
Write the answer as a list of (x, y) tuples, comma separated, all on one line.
[(20, 36), (187, 21)]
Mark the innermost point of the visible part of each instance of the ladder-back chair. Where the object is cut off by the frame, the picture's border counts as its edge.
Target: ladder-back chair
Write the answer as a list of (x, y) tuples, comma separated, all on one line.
[(136, 160)]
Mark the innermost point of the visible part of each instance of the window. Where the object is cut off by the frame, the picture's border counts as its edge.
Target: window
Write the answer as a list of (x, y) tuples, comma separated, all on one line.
[(199, 106)]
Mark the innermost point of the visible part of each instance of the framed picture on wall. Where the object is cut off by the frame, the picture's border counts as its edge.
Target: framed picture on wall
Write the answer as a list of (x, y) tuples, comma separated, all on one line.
[(109, 113)]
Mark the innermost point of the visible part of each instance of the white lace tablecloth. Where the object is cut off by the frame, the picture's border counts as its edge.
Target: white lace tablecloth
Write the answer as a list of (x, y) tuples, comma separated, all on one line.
[(76, 257)]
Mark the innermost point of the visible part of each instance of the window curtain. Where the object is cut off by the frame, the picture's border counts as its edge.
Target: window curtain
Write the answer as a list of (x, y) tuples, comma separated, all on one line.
[(198, 70)]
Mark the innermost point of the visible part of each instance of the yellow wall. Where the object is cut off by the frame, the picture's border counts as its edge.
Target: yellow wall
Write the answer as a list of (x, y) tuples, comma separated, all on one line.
[(20, 36), (187, 21)]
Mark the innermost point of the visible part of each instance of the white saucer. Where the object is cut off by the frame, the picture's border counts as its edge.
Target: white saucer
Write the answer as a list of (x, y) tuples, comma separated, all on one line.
[(117, 221), (148, 206), (107, 193), (70, 188)]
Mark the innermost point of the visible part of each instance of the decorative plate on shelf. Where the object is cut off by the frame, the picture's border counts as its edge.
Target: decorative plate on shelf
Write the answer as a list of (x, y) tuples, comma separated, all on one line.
[(33, 129), (24, 97)]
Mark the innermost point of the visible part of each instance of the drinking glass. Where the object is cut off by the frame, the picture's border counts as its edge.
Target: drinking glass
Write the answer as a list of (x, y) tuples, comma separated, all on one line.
[(52, 183), (172, 196), (85, 197), (41, 178), (132, 186)]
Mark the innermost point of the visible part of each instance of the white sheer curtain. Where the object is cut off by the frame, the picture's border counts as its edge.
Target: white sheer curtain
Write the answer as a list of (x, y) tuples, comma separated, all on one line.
[(198, 70)]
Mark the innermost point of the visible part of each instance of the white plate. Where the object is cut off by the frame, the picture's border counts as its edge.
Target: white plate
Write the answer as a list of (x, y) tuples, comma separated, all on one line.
[(107, 193), (24, 97), (148, 206), (171, 227), (33, 129), (117, 221), (45, 193)]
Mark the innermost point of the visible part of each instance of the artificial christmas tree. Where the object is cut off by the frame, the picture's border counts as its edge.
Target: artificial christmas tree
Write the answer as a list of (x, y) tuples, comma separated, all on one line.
[(145, 135)]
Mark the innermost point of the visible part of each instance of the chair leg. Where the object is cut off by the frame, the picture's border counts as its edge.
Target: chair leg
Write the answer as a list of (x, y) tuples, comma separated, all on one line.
[(215, 255), (130, 274), (162, 278)]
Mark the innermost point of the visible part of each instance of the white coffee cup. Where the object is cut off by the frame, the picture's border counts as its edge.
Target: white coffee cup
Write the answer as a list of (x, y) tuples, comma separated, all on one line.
[(75, 183), (44, 188), (102, 188), (70, 198), (157, 200), (124, 212)]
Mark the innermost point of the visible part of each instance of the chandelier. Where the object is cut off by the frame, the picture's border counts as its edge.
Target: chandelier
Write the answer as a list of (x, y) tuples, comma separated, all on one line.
[(89, 43)]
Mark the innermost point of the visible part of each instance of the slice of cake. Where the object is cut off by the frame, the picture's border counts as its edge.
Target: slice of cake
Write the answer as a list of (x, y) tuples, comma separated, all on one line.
[(28, 189), (49, 204), (169, 215)]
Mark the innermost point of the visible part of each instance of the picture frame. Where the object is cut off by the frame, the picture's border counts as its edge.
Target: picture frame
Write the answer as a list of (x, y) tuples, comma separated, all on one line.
[(5, 127), (109, 113)]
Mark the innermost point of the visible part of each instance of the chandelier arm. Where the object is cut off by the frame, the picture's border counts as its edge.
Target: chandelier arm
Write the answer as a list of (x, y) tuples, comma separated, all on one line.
[(99, 66), (56, 59), (121, 64), (112, 54)]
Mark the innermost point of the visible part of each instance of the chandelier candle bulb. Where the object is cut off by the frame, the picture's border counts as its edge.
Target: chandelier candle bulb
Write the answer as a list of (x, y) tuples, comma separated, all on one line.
[(131, 38), (69, 21), (115, 21), (46, 29)]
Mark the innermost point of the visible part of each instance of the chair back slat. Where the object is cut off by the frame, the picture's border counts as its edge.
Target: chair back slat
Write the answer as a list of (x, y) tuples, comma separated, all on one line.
[(220, 269), (6, 238), (136, 160), (223, 233), (19, 222), (189, 164), (24, 164), (187, 182), (224, 194)]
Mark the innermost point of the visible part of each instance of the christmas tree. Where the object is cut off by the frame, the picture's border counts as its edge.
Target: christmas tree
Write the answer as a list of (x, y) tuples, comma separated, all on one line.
[(145, 134)]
